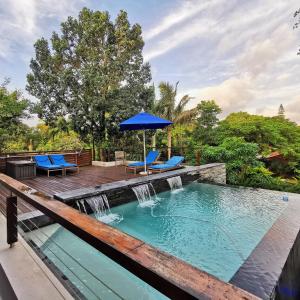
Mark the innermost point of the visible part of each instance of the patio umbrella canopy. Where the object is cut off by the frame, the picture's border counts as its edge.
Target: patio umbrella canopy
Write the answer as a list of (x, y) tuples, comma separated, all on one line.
[(143, 121)]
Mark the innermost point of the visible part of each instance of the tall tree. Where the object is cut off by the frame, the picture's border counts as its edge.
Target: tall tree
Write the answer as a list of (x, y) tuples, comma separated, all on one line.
[(207, 119), (13, 109), (93, 72), (281, 111), (166, 107)]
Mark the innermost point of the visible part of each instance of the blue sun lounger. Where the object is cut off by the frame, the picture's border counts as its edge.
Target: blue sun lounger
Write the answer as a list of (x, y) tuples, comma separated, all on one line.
[(59, 159), (150, 159), (173, 163), (43, 163)]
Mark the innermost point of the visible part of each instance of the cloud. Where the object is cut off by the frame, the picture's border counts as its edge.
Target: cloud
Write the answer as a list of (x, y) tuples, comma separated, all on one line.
[(185, 11), (228, 26), (265, 76), (232, 94), (22, 22), (197, 28), (259, 55), (292, 110)]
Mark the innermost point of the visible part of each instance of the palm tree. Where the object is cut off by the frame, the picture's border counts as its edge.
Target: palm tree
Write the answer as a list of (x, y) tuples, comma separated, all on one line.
[(59, 125), (167, 108)]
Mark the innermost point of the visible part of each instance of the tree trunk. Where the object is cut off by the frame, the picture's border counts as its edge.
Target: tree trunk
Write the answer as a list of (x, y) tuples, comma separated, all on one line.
[(30, 146), (169, 142), (198, 157), (94, 153), (154, 142)]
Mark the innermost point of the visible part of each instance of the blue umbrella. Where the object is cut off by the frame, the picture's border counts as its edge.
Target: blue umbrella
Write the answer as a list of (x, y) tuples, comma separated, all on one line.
[(143, 121)]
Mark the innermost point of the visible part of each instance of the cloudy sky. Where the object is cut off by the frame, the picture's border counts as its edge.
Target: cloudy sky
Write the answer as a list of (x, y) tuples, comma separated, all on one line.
[(240, 53)]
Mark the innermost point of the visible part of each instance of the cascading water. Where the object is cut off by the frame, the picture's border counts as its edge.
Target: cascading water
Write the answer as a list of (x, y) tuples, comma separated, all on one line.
[(81, 206), (100, 206), (175, 183), (143, 194)]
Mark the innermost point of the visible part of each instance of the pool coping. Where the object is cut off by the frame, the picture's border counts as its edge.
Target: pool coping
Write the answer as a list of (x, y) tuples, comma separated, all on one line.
[(77, 194), (261, 271)]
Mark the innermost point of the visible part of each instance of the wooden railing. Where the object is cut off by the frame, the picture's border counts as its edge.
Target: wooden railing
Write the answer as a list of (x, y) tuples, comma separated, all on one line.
[(80, 157), (166, 273)]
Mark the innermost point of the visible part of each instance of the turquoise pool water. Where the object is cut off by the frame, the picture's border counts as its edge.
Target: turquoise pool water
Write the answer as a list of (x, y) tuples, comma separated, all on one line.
[(214, 228)]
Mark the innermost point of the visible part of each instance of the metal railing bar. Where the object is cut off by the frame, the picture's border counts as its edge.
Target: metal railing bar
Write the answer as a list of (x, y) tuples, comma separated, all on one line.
[(60, 247), (37, 248)]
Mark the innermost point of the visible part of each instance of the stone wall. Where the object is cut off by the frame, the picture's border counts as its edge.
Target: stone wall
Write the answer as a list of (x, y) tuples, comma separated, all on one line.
[(215, 173)]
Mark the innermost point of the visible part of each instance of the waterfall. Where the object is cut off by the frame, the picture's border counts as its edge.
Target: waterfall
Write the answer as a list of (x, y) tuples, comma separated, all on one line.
[(175, 183), (100, 206), (81, 206), (143, 194), (78, 205)]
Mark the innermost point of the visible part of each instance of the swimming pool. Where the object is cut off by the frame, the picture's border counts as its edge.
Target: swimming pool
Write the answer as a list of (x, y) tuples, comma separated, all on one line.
[(212, 227)]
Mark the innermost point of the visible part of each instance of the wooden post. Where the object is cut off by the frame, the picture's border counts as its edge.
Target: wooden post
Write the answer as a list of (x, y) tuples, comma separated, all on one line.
[(198, 158), (12, 220)]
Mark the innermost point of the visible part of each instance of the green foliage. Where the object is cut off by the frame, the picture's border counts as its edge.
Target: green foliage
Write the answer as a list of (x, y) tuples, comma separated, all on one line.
[(269, 133), (208, 118), (93, 72), (62, 141), (259, 177), (167, 108), (238, 155), (274, 132), (46, 138), (13, 108), (166, 105)]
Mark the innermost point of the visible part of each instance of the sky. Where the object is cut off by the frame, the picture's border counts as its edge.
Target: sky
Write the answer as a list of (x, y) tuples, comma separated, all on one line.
[(241, 53)]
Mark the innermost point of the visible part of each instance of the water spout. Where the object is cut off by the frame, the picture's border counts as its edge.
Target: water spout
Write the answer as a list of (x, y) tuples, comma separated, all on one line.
[(143, 194), (175, 183), (100, 206)]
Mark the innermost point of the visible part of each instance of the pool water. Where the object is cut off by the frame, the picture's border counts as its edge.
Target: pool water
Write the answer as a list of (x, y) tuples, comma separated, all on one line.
[(214, 228), (93, 274)]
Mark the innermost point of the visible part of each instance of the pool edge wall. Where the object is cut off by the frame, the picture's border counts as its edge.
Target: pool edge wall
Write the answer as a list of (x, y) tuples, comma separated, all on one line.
[(119, 192), (272, 270)]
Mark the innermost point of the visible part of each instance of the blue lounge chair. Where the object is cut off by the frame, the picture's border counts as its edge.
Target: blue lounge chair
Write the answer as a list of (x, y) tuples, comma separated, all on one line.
[(43, 163), (150, 159), (59, 159), (172, 164)]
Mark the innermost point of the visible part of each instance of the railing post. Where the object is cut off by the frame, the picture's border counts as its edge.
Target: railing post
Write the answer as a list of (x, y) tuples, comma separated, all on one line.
[(12, 220)]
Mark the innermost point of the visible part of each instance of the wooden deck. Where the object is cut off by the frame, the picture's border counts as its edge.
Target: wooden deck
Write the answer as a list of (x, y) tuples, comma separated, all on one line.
[(89, 176)]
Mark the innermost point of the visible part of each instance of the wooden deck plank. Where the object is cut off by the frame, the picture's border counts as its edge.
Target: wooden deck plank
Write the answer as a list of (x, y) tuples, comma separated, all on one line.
[(89, 176)]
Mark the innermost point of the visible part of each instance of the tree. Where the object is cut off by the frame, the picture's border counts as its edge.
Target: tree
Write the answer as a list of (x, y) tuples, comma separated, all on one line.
[(93, 72), (167, 108), (13, 109), (239, 156), (207, 120), (281, 111), (58, 126), (269, 133)]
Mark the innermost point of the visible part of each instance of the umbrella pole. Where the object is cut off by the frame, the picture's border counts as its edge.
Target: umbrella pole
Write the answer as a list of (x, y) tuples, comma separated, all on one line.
[(145, 166)]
